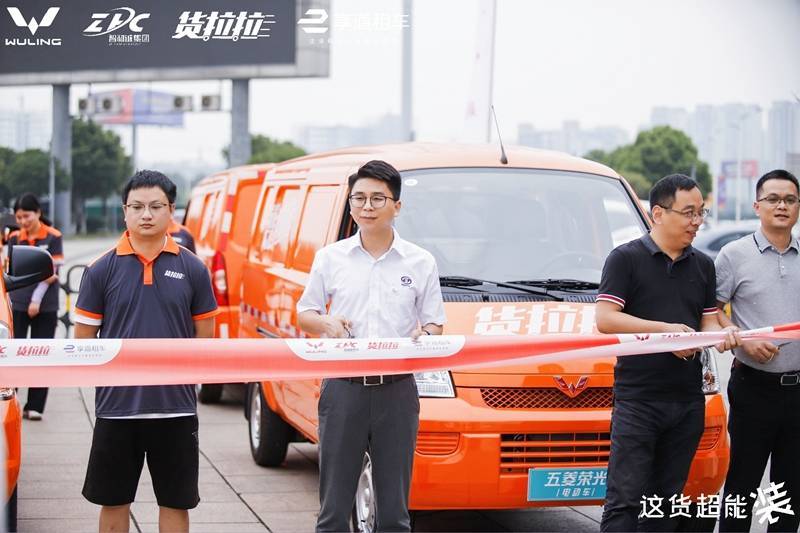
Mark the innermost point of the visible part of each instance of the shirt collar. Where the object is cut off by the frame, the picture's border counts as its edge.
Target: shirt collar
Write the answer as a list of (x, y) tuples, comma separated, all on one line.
[(763, 243), (398, 244), (42, 234), (653, 248), (124, 245)]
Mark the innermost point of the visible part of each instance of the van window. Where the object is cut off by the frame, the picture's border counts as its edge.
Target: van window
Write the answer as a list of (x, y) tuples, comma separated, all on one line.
[(516, 224), (247, 196), (212, 213), (280, 219), (317, 213)]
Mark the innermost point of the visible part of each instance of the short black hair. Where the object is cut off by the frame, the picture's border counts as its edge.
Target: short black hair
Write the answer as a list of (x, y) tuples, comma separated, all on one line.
[(777, 174), (378, 170), (664, 191), (150, 178)]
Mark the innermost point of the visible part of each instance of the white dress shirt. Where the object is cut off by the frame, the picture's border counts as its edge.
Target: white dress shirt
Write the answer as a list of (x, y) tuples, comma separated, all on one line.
[(385, 297)]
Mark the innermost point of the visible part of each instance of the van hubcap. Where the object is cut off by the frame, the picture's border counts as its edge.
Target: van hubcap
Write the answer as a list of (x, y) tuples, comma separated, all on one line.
[(255, 418), (365, 498)]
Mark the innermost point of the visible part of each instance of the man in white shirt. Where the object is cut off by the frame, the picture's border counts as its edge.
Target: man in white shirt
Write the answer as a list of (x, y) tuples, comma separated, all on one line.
[(378, 286)]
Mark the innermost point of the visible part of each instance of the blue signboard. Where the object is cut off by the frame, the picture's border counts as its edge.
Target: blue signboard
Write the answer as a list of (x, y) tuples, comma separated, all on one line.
[(575, 483)]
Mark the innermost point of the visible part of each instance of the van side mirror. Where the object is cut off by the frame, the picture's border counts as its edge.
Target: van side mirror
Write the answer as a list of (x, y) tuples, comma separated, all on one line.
[(27, 265)]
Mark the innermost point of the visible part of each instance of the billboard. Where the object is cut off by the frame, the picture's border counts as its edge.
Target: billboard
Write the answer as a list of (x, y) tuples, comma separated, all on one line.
[(56, 41), (727, 187)]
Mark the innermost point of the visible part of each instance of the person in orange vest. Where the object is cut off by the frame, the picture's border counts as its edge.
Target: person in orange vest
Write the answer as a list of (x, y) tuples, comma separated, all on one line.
[(35, 307), (181, 235)]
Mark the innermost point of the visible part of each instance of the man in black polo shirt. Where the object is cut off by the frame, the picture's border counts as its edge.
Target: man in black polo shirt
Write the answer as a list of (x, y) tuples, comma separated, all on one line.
[(657, 283), (145, 287)]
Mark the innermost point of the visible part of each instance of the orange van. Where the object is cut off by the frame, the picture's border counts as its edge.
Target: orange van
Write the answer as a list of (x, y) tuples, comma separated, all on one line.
[(219, 216), (520, 248), (28, 265)]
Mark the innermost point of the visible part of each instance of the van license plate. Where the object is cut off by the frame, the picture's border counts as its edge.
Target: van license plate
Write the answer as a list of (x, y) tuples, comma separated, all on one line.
[(583, 483)]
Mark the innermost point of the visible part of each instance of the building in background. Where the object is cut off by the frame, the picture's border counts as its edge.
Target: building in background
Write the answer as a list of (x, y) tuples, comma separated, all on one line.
[(23, 130), (571, 138), (387, 129)]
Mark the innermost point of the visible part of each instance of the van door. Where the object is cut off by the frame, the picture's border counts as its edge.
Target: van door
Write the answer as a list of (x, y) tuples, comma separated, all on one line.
[(316, 228)]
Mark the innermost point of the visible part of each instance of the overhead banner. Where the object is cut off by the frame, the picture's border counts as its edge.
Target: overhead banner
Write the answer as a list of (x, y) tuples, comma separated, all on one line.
[(114, 362)]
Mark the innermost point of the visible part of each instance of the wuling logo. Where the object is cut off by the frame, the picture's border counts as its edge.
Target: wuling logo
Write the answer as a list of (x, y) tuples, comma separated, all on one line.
[(571, 389), (33, 25)]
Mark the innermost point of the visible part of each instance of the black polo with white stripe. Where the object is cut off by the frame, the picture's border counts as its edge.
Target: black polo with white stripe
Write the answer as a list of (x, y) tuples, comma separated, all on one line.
[(647, 284)]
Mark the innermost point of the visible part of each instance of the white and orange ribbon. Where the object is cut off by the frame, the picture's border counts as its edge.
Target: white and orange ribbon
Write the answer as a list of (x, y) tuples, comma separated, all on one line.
[(114, 362)]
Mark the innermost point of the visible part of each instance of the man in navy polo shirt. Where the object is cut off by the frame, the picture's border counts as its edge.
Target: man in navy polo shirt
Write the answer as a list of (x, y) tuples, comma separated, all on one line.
[(146, 287), (657, 283)]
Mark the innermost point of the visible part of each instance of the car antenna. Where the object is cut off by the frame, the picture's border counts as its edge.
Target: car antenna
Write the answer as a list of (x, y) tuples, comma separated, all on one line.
[(503, 158)]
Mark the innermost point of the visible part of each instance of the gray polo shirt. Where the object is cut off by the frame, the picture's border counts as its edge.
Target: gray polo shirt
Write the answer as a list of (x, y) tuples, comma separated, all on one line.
[(762, 285)]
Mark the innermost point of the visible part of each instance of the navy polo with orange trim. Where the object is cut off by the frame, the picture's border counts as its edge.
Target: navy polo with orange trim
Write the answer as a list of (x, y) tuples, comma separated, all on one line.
[(47, 238), (131, 297)]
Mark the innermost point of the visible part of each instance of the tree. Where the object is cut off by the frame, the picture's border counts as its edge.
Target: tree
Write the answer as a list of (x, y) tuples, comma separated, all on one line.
[(656, 153), (267, 150), (7, 156), (99, 166), (30, 172)]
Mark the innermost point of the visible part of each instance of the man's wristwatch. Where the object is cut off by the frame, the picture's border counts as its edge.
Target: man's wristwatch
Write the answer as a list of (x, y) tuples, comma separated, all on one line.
[(426, 332)]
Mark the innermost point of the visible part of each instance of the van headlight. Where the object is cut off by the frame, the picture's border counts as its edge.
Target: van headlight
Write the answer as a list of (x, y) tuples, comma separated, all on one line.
[(5, 332), (435, 384), (710, 373), (6, 394)]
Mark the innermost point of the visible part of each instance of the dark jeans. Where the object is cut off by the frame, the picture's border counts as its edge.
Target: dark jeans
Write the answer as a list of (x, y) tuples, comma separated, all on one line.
[(42, 326), (652, 447), (764, 422)]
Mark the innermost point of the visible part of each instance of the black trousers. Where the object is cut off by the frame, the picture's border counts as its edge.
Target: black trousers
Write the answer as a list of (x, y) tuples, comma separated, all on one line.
[(652, 447), (764, 423), (42, 326)]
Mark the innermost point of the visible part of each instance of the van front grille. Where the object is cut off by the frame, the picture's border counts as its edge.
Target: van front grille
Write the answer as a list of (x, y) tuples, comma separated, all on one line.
[(546, 398), (521, 451)]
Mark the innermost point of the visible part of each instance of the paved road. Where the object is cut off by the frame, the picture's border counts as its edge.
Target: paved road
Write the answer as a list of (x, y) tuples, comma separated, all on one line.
[(237, 495)]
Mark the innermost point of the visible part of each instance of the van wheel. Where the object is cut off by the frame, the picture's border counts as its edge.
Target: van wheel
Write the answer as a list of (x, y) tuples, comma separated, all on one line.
[(269, 433), (11, 512), (365, 510), (211, 393)]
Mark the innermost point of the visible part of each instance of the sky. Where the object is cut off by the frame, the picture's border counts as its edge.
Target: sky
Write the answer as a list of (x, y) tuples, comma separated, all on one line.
[(599, 62)]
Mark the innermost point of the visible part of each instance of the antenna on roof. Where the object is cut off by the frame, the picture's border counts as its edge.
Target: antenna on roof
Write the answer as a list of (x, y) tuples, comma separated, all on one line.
[(503, 158)]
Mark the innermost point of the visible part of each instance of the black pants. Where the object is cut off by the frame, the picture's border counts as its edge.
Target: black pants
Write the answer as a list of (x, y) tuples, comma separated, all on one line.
[(652, 447), (764, 422), (42, 326), (354, 419)]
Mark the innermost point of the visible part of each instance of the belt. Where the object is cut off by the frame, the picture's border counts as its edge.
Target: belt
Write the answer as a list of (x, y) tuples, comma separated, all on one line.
[(784, 379), (371, 381)]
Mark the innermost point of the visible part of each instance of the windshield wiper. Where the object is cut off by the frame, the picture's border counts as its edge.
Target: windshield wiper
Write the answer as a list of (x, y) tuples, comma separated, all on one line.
[(559, 284), (462, 282)]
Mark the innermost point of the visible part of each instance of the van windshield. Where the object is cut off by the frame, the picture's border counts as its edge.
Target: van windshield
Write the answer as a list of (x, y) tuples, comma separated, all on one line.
[(517, 224)]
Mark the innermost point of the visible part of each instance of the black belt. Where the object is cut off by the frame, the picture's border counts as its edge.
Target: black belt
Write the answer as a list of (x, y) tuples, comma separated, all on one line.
[(784, 379), (371, 381)]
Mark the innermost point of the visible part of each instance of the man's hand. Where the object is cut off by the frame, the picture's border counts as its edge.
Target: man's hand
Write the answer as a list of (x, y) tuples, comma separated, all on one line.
[(417, 333), (33, 309), (760, 351), (680, 328), (337, 327), (732, 339)]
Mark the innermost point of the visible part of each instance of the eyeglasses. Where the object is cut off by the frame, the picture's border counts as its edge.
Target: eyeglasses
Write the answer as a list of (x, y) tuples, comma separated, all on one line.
[(376, 201), (773, 200), (688, 214), (156, 208)]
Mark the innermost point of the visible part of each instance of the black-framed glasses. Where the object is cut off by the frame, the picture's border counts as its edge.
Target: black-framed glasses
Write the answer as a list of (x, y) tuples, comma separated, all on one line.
[(376, 200), (689, 214), (773, 200), (156, 208)]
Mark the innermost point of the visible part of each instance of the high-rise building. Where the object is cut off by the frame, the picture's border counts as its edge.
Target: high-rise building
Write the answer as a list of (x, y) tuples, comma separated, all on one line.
[(783, 133), (571, 138), (387, 129), (22, 130)]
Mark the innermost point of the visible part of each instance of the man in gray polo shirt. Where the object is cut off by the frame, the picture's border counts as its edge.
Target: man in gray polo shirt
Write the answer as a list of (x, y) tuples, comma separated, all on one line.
[(759, 275)]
